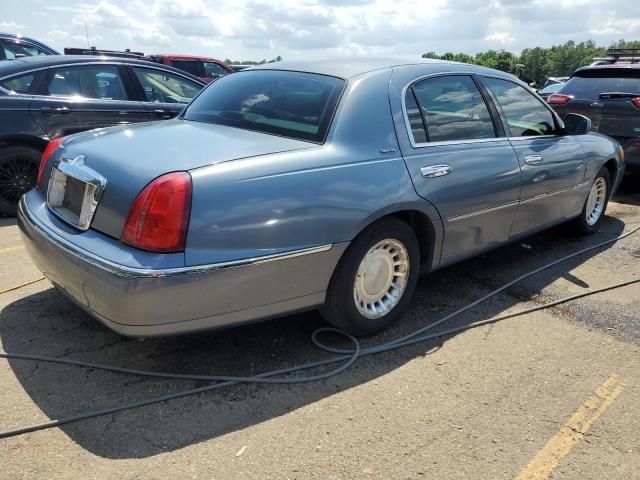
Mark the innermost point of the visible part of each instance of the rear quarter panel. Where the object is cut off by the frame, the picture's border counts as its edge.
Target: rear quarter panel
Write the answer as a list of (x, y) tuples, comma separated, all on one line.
[(599, 149)]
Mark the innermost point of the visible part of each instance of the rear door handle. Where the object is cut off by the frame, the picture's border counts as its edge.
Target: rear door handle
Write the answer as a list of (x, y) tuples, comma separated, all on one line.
[(55, 110), (533, 159), (433, 171)]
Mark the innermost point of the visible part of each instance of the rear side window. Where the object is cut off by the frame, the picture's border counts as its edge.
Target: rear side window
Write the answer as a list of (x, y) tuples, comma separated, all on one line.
[(212, 69), (165, 87), (290, 104), (451, 107), (20, 84), (590, 87), (189, 66), (89, 81), (526, 115), (13, 49)]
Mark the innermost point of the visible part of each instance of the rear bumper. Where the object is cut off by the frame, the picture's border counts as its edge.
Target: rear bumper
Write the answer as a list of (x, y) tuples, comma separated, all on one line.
[(136, 301)]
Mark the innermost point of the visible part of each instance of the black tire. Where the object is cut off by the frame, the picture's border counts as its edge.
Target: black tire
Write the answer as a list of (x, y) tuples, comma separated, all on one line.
[(340, 306), (18, 174), (581, 225)]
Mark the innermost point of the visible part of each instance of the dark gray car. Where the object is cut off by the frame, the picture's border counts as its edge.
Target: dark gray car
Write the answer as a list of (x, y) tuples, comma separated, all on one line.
[(43, 98), (302, 185)]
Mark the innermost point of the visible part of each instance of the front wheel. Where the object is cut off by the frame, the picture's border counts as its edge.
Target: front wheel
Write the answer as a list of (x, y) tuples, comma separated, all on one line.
[(596, 203), (375, 280)]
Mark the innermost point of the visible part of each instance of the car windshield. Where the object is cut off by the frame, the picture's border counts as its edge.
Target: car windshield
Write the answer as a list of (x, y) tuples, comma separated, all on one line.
[(554, 87), (290, 104), (590, 87)]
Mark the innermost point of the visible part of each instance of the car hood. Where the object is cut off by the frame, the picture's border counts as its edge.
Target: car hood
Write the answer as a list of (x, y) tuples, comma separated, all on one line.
[(131, 156)]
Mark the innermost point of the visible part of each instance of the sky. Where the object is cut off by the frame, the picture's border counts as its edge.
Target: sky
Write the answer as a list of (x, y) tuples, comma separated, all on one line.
[(256, 29)]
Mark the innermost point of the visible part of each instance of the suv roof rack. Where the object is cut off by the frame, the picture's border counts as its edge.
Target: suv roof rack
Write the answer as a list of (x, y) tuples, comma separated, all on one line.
[(127, 53), (616, 55)]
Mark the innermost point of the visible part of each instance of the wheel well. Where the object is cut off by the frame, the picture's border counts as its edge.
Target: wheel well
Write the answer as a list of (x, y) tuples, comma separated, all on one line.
[(34, 142), (423, 228), (613, 169)]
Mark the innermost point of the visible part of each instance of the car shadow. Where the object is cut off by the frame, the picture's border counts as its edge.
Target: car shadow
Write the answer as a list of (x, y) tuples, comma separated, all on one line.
[(47, 324), (629, 191)]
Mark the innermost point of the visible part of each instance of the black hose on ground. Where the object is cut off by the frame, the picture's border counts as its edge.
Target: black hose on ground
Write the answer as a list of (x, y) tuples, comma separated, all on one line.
[(344, 355)]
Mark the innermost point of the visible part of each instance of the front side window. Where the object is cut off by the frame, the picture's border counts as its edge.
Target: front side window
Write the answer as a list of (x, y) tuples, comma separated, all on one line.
[(290, 104), (19, 84), (165, 87), (88, 81), (526, 115), (212, 69), (452, 109)]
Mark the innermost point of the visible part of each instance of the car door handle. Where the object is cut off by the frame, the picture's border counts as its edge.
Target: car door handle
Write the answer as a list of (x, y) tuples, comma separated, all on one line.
[(533, 159), (55, 110), (433, 171)]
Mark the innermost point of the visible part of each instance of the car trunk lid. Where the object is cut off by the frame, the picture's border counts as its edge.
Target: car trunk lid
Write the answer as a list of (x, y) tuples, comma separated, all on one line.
[(130, 157)]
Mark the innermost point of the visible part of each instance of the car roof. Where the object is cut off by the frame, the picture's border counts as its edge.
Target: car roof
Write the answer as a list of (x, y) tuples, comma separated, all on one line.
[(11, 67), (609, 66), (185, 57), (348, 67)]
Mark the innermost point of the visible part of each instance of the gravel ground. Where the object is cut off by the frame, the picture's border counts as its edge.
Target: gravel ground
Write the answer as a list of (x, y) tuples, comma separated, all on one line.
[(479, 404)]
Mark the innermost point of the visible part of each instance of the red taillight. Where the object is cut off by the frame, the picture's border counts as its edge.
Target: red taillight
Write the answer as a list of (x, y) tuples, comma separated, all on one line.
[(159, 216), (636, 102), (558, 99), (52, 146)]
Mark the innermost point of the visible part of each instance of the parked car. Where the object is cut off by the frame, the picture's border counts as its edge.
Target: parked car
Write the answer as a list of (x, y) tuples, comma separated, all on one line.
[(549, 89), (43, 98), (316, 184), (205, 68), (609, 95), (555, 80), (14, 46)]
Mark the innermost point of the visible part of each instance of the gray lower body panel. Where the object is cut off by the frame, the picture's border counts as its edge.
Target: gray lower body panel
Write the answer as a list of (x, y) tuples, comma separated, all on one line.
[(172, 304)]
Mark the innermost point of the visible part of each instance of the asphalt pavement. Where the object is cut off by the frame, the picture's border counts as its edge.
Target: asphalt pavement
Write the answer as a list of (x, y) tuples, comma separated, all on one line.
[(553, 394)]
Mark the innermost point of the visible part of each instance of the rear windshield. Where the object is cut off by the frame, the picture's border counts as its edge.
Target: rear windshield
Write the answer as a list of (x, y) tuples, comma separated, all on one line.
[(290, 104), (591, 85)]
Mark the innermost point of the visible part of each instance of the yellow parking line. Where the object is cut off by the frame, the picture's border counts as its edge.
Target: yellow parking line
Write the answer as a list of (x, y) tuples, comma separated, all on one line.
[(11, 249), (11, 289), (572, 432)]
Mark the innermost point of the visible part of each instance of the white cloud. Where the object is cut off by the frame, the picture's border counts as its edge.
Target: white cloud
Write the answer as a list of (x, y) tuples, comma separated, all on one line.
[(302, 28), (502, 39), (11, 26)]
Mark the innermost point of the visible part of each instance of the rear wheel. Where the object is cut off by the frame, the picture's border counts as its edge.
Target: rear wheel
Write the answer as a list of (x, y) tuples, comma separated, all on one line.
[(375, 280), (596, 203), (18, 174)]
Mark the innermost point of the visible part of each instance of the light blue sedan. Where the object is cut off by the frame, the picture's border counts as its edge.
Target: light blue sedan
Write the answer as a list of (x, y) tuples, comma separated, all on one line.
[(304, 185)]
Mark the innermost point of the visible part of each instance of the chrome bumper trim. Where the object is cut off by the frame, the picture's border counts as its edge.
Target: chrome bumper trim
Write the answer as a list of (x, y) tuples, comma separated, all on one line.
[(135, 272)]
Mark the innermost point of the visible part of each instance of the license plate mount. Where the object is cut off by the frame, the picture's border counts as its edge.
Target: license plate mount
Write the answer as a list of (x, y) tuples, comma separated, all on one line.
[(74, 192)]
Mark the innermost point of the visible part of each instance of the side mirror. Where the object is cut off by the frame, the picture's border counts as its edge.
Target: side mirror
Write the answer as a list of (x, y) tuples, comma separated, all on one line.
[(575, 124)]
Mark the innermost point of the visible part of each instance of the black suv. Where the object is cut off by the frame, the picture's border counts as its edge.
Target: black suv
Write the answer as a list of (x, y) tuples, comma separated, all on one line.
[(609, 94), (42, 98)]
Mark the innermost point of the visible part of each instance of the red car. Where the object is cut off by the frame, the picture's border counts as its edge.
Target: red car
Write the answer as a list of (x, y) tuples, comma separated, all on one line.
[(206, 68)]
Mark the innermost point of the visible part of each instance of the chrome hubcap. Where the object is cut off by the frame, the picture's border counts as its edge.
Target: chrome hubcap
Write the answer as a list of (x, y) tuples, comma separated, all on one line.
[(595, 201), (381, 278)]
